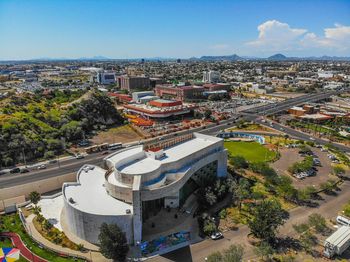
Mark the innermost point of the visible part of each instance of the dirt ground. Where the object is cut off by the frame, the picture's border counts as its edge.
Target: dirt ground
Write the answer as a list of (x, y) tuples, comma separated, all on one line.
[(290, 156), (121, 134)]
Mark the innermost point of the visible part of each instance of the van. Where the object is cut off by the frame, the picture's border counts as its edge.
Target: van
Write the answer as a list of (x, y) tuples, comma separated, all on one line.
[(343, 221)]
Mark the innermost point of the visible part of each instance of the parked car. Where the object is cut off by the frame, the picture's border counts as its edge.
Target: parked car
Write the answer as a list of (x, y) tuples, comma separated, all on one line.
[(15, 170), (42, 166), (3, 172), (216, 236), (79, 156), (24, 170), (53, 161)]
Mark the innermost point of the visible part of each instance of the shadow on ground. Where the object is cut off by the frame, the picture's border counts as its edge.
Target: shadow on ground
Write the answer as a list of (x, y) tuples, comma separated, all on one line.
[(182, 254)]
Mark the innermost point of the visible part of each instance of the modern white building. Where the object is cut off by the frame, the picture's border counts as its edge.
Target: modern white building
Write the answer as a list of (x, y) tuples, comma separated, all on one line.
[(137, 96), (137, 182), (211, 76), (106, 78)]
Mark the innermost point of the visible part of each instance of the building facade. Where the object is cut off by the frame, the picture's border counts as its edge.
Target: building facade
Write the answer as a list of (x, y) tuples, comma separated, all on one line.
[(130, 83), (181, 93), (211, 76), (136, 180)]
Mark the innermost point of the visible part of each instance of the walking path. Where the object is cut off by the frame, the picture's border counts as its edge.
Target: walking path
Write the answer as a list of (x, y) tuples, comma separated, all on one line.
[(90, 256), (25, 252)]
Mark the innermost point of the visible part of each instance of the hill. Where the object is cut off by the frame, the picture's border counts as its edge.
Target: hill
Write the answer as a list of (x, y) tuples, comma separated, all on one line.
[(233, 57), (38, 124), (277, 57)]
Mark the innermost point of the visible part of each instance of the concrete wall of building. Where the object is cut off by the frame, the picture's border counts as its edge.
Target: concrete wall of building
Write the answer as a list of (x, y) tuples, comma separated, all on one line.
[(174, 187), (137, 210), (119, 192), (41, 186), (87, 226)]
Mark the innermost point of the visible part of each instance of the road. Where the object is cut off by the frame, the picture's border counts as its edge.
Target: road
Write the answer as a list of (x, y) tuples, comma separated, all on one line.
[(73, 165), (329, 208), (279, 107)]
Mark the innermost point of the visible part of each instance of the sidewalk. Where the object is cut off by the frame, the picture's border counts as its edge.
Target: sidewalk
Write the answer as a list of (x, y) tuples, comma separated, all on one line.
[(90, 256)]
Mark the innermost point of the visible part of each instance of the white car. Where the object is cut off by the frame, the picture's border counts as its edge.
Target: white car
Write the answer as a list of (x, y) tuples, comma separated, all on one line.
[(216, 236), (42, 167), (79, 156)]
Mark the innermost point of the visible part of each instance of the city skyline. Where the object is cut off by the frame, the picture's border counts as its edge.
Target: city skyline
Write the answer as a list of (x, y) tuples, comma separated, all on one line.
[(135, 29)]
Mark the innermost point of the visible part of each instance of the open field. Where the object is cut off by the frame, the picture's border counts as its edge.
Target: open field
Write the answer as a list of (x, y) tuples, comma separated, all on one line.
[(121, 134), (252, 151)]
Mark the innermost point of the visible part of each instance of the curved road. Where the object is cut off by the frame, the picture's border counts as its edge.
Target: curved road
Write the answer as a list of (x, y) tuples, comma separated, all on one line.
[(73, 165)]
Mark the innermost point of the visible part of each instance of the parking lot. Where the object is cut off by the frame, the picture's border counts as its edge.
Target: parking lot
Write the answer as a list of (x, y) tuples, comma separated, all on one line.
[(290, 155)]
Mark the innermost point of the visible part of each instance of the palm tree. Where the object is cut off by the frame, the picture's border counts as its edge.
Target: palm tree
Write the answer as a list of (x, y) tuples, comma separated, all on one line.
[(34, 197)]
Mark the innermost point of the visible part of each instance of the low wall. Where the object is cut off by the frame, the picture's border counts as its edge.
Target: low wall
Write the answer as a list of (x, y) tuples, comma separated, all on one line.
[(41, 186)]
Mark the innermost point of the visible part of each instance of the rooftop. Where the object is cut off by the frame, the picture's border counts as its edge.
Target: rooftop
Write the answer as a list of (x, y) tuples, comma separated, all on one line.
[(172, 154), (91, 196)]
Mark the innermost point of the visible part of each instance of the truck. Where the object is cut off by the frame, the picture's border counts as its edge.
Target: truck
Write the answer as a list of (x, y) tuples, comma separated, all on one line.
[(337, 243)]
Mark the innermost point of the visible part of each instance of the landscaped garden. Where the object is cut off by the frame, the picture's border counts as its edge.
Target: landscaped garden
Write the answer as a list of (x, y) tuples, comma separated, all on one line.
[(251, 151), (12, 223)]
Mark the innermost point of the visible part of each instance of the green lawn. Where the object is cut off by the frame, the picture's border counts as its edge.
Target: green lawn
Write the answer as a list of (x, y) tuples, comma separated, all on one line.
[(12, 223), (251, 151)]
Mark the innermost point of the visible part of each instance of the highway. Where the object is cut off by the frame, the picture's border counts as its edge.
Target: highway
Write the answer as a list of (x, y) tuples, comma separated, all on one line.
[(279, 107), (72, 165)]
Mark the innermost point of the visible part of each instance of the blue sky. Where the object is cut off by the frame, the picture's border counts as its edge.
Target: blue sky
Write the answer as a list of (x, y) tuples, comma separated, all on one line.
[(134, 29)]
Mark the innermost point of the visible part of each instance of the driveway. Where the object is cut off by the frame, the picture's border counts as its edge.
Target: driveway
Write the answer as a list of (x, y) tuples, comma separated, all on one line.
[(329, 208)]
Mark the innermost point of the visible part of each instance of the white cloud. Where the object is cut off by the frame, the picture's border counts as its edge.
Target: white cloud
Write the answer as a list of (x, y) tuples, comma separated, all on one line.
[(337, 37), (276, 36)]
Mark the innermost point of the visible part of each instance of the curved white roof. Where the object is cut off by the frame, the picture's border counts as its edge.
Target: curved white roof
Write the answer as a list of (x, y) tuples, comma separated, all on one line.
[(90, 196)]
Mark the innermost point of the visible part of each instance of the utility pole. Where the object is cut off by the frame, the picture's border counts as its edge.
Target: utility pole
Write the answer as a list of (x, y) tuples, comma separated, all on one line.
[(24, 157)]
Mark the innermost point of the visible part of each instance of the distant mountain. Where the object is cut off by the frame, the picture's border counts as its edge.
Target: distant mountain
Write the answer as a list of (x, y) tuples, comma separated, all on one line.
[(277, 57), (99, 57), (233, 57)]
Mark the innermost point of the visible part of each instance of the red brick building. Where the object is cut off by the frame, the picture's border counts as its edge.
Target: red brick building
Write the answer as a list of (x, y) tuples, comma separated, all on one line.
[(180, 93)]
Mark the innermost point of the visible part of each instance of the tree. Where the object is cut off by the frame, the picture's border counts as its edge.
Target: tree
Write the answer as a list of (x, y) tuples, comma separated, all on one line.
[(210, 197), (266, 218), (36, 210), (113, 243), (240, 190), (285, 188), (338, 171), (238, 162), (233, 254), (318, 222), (209, 227), (307, 241), (34, 197), (264, 250), (215, 257)]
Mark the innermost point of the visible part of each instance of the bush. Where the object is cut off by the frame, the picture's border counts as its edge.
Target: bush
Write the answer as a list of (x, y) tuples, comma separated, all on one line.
[(223, 213), (209, 227), (238, 162)]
